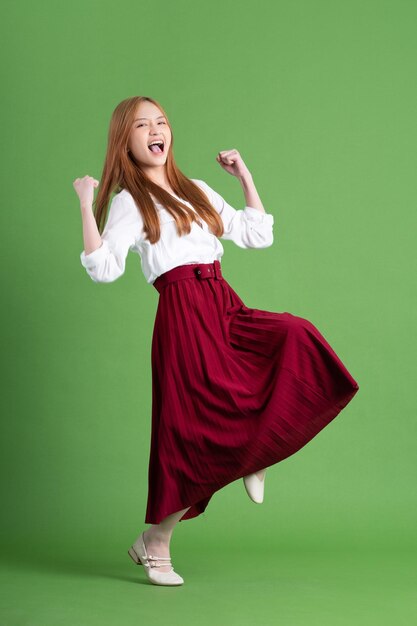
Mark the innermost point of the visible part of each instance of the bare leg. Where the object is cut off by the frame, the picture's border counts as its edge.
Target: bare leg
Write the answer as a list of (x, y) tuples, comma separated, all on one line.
[(158, 536)]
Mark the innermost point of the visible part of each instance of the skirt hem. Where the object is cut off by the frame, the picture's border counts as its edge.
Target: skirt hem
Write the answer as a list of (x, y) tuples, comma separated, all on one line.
[(201, 502)]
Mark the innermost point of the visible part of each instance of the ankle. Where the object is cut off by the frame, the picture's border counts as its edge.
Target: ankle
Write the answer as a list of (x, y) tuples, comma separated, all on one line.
[(157, 537)]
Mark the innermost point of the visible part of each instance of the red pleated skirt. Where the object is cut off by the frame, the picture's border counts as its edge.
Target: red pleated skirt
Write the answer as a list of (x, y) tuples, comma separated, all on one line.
[(234, 389)]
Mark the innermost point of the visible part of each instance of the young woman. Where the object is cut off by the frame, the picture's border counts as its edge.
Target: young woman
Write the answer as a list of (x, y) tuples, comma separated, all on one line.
[(234, 389)]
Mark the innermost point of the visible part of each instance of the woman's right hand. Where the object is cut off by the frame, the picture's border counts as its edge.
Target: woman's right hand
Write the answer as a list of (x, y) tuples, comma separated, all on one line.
[(84, 188)]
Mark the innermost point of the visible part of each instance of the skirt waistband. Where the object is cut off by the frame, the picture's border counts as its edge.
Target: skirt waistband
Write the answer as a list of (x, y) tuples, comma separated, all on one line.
[(191, 270)]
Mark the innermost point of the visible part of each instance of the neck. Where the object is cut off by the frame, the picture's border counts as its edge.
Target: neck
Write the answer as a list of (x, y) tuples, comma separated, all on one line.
[(157, 175)]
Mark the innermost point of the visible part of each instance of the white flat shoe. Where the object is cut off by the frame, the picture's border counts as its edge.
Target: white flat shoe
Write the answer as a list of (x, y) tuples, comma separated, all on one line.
[(139, 555), (255, 487)]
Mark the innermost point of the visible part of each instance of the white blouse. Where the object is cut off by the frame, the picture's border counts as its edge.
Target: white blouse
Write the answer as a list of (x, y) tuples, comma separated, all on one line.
[(123, 231)]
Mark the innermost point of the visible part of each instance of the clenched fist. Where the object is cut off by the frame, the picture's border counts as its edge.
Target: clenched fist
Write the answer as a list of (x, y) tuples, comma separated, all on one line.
[(84, 188), (232, 162)]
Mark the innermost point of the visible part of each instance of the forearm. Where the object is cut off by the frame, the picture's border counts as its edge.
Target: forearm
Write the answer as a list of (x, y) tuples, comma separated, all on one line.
[(251, 195), (91, 235)]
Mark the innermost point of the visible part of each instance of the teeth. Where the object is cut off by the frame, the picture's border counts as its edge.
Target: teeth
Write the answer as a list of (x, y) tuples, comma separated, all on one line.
[(161, 143)]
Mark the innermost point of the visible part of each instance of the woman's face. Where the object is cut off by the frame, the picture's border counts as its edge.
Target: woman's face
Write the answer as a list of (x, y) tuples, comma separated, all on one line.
[(149, 126)]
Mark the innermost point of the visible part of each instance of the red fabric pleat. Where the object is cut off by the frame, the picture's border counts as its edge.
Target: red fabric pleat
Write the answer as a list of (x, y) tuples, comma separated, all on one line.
[(234, 390)]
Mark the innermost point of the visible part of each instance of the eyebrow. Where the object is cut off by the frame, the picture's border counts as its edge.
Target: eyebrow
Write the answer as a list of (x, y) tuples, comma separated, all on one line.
[(146, 118)]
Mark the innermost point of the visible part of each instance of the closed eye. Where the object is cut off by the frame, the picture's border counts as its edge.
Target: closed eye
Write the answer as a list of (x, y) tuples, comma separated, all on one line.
[(143, 124)]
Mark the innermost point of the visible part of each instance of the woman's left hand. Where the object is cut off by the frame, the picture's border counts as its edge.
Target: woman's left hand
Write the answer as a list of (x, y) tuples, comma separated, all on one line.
[(232, 162)]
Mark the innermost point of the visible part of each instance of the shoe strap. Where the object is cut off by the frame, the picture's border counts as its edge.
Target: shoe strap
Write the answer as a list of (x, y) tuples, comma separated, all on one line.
[(166, 560), (159, 558), (150, 557), (156, 558)]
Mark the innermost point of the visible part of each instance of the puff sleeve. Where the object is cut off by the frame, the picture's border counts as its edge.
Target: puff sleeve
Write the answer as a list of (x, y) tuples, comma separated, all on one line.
[(248, 227), (123, 226)]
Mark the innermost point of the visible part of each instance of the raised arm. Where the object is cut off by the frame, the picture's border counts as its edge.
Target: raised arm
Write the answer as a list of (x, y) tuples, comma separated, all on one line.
[(107, 262), (248, 227)]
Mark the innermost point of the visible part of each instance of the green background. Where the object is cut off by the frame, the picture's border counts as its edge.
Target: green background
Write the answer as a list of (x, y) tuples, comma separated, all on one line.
[(319, 97)]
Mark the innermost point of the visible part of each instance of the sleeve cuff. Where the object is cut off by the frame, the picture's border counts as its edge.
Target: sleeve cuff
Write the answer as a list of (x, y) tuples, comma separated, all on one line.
[(90, 261), (255, 215)]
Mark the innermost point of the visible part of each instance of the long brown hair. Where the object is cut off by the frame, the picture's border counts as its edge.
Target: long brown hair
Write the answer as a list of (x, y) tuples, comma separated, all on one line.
[(122, 171)]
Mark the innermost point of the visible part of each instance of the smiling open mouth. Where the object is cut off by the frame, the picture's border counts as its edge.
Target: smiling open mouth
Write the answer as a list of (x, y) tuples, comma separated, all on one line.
[(157, 147)]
